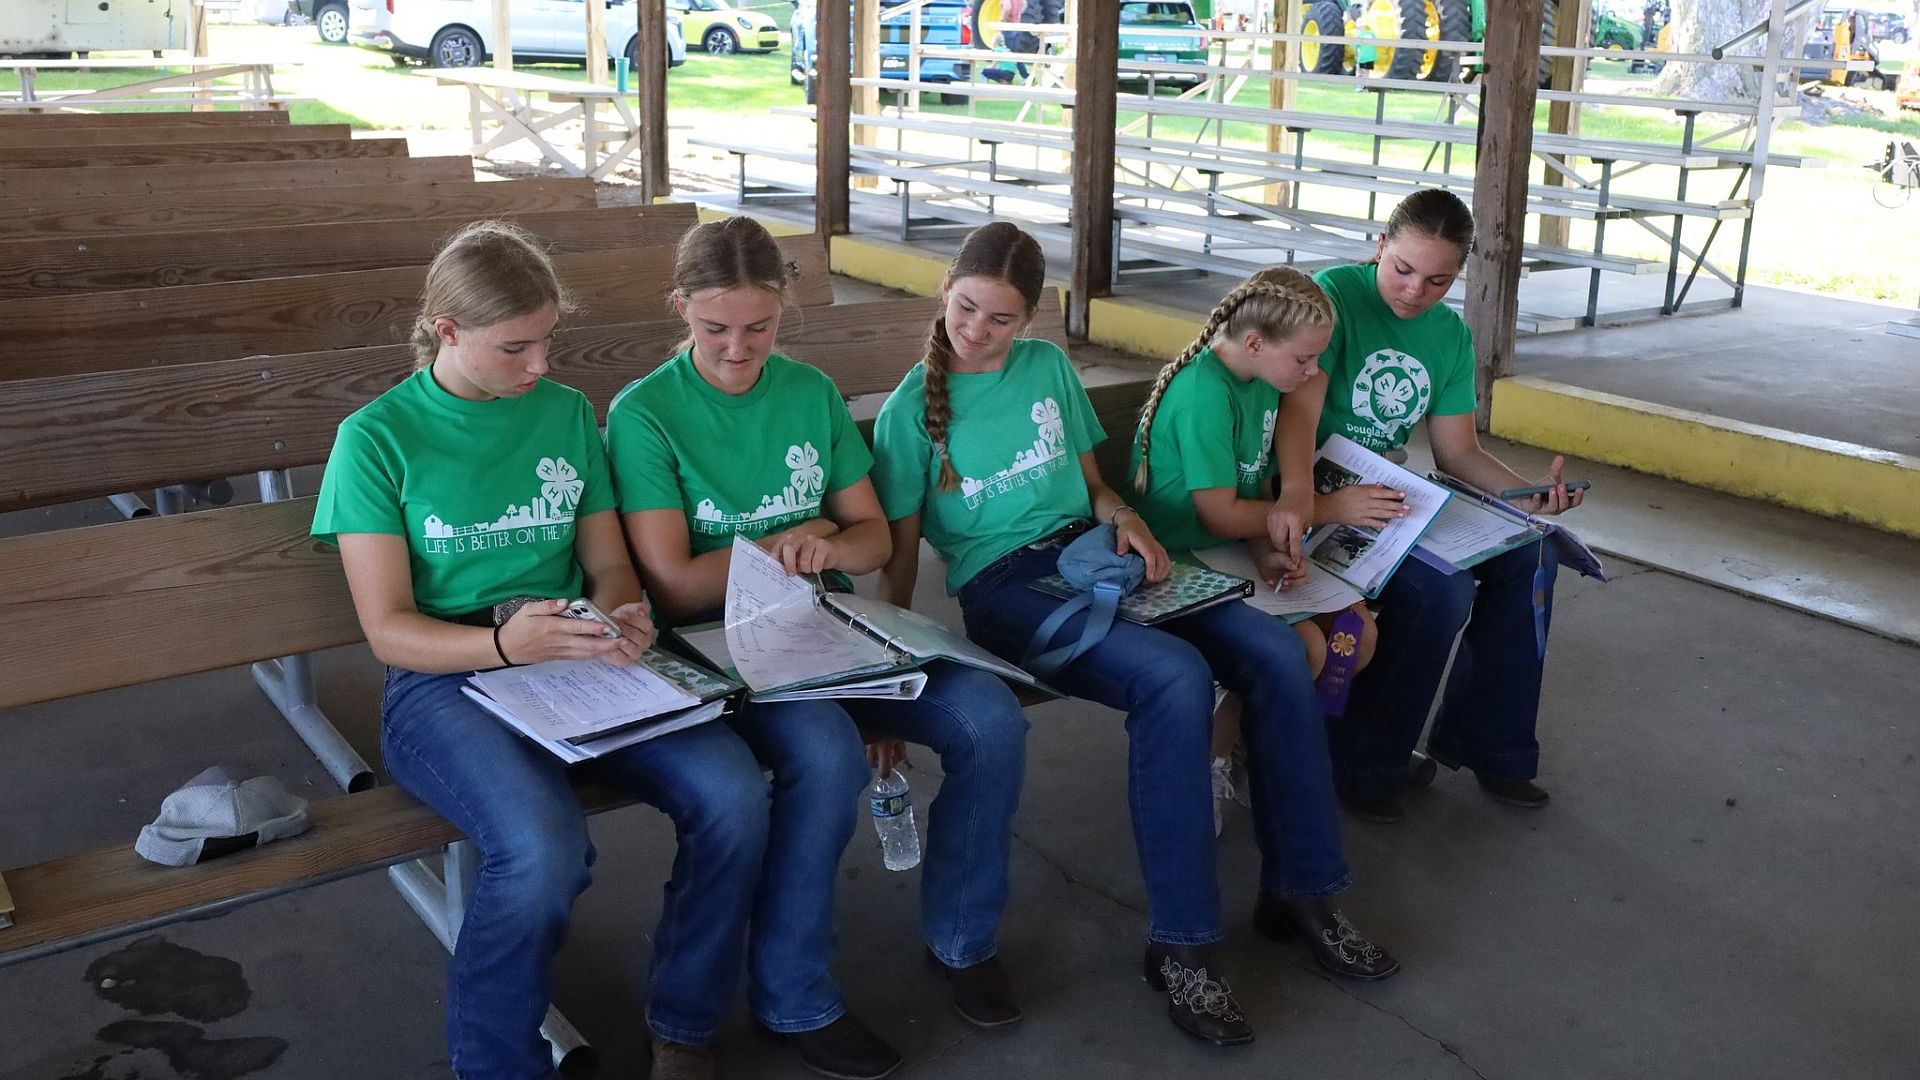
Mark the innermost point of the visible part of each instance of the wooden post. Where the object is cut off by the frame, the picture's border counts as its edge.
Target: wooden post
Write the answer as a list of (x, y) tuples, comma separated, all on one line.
[(597, 42), (866, 65), (1563, 117), (1504, 152), (197, 46), (832, 99), (650, 78), (502, 35), (1282, 56), (1096, 49)]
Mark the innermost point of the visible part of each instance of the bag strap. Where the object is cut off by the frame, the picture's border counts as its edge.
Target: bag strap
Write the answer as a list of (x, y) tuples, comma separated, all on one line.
[(1100, 603)]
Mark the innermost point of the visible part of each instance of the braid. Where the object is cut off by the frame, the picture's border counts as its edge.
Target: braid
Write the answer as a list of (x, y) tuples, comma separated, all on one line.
[(938, 406), (1222, 314)]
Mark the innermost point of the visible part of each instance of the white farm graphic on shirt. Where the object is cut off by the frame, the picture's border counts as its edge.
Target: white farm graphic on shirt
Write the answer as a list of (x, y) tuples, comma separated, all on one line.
[(806, 485), (540, 518), (1249, 472), (1048, 453), (1392, 392)]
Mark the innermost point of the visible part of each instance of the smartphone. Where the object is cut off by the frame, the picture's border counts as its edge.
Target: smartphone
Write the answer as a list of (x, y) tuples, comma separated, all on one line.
[(585, 609), (1529, 492)]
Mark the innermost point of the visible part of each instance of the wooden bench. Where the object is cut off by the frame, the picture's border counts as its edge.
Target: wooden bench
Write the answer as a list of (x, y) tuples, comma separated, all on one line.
[(196, 85), (201, 153), (31, 268), (78, 121), (80, 216), (512, 101), (159, 133), (64, 335), (294, 177)]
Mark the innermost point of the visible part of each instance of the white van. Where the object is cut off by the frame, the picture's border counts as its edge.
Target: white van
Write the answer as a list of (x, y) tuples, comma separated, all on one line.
[(458, 33)]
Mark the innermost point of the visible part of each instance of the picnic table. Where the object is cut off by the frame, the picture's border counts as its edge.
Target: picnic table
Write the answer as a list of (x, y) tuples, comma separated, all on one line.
[(510, 102), (194, 85)]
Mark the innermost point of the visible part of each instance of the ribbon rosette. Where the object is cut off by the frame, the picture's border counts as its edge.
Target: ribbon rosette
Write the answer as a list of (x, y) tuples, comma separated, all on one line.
[(562, 484), (807, 476)]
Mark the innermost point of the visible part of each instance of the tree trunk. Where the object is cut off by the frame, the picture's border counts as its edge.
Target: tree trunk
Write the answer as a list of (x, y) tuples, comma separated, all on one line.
[(1698, 26)]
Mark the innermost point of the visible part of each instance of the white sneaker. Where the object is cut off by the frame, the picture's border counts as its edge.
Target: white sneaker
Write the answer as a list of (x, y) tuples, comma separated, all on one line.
[(1222, 791)]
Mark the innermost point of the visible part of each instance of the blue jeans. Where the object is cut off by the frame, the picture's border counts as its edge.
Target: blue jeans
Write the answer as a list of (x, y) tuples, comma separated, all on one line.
[(818, 759), (1486, 719), (513, 800), (1162, 678)]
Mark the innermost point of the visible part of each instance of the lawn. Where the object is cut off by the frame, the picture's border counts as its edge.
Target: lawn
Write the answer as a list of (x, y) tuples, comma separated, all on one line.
[(731, 95)]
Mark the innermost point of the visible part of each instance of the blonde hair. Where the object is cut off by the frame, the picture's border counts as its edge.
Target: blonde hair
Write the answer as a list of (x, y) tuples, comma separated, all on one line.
[(1275, 303), (728, 254), (1000, 251), (488, 272)]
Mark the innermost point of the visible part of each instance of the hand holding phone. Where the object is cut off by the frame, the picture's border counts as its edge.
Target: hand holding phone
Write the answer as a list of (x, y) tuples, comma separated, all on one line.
[(1542, 489), (585, 609)]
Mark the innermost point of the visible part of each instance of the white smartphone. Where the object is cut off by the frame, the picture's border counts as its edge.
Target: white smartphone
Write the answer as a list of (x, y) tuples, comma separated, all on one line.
[(585, 609)]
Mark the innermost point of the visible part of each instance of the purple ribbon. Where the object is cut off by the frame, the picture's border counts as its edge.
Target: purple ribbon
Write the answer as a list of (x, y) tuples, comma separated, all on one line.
[(1343, 652)]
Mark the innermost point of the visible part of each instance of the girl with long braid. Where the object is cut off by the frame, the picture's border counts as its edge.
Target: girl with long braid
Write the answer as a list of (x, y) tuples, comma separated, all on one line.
[(986, 449), (1203, 465)]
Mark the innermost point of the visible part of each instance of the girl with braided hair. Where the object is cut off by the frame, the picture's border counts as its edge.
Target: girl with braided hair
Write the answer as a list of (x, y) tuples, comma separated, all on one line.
[(986, 450), (730, 438), (1203, 464)]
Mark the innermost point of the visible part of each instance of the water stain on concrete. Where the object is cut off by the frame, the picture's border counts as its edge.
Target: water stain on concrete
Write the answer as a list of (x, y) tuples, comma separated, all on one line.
[(191, 1054), (153, 975)]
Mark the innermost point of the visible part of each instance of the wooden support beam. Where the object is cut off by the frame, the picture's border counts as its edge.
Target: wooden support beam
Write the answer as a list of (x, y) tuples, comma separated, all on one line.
[(1563, 117), (1505, 152), (1282, 56), (1096, 47), (502, 36), (833, 169), (650, 78), (597, 42), (866, 65)]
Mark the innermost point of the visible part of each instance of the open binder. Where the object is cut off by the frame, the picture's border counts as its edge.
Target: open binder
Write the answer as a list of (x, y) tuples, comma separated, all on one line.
[(580, 709), (1187, 588), (788, 639)]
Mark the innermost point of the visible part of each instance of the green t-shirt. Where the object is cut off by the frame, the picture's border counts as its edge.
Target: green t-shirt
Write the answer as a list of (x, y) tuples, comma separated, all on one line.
[(1385, 372), (1212, 430), (485, 492), (1016, 439), (752, 463)]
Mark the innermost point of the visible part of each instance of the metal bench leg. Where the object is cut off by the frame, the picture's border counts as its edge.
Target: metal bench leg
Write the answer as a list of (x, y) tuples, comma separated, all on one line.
[(432, 899), (1599, 245), (1679, 221), (130, 505)]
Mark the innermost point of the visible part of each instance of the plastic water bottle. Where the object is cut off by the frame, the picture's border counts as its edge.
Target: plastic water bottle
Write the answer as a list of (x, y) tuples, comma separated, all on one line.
[(892, 806)]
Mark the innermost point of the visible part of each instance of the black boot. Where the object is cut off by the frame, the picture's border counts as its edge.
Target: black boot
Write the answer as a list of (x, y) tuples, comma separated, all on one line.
[(1524, 793), (1336, 946), (1199, 1001), (982, 994), (846, 1050)]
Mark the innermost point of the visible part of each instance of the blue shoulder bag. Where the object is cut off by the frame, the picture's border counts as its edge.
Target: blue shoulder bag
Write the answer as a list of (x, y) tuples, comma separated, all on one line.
[(1102, 577)]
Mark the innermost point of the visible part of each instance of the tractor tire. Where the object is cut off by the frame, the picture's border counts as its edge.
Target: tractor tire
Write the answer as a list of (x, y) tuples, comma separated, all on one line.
[(1418, 19), (1456, 24), (1549, 35), (1323, 17)]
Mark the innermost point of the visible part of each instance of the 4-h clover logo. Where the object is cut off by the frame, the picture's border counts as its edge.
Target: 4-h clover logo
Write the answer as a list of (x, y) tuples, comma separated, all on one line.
[(1392, 391), (562, 484), (1047, 414), (807, 478), (1343, 644)]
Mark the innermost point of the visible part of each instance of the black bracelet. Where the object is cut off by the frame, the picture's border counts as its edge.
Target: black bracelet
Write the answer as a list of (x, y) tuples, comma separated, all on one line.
[(497, 649)]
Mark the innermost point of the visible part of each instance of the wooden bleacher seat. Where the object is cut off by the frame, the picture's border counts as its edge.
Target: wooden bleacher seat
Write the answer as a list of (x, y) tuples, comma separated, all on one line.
[(202, 153), (301, 175)]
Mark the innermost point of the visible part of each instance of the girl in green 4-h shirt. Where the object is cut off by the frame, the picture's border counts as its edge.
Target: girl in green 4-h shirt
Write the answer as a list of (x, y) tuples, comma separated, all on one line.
[(986, 449), (730, 438), (1399, 355), (471, 504), (1203, 462)]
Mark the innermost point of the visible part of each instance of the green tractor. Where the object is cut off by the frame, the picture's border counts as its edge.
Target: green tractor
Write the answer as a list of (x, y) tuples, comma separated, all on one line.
[(1432, 20)]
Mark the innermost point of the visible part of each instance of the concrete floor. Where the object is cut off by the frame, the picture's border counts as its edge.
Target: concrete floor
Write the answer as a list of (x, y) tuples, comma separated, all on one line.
[(1722, 886)]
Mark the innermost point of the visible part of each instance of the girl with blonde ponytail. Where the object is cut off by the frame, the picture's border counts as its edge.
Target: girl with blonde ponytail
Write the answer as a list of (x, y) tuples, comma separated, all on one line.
[(1203, 473), (986, 449)]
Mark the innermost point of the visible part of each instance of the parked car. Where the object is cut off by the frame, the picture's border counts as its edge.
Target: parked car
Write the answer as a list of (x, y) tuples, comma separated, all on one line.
[(1888, 26), (942, 22), (329, 18), (719, 27), (1161, 15), (454, 33)]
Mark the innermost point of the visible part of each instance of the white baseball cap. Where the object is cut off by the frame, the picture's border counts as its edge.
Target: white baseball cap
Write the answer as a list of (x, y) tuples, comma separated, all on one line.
[(213, 806)]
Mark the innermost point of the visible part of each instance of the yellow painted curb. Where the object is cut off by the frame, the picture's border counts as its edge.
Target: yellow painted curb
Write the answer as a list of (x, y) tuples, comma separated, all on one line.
[(1823, 476), (774, 225), (882, 262), (1142, 328)]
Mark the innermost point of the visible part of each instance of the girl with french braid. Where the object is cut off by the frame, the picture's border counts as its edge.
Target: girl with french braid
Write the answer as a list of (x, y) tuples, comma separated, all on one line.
[(986, 451)]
